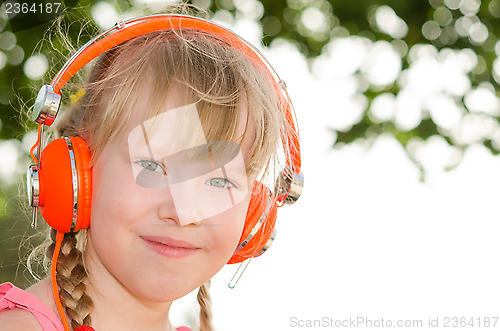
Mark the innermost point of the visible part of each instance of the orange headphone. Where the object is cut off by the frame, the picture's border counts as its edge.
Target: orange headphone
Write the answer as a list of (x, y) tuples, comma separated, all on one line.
[(60, 184)]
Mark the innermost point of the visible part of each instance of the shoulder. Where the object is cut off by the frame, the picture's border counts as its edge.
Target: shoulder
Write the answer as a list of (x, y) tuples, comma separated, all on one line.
[(18, 319), (25, 309), (43, 291)]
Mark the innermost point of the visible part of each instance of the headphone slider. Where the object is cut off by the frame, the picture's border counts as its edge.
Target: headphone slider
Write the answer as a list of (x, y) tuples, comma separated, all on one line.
[(239, 272), (120, 25), (34, 218)]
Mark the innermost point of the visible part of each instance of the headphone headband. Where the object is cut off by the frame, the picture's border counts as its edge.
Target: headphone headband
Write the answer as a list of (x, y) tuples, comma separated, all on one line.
[(126, 30)]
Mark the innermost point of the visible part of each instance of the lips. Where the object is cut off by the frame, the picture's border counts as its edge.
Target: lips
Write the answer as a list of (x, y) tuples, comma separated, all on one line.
[(169, 247)]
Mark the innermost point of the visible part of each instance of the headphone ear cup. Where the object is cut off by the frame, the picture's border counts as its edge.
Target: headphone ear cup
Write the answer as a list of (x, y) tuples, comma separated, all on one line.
[(84, 170), (61, 180), (259, 200)]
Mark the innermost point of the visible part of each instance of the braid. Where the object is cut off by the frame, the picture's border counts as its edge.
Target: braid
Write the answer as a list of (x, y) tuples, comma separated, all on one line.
[(205, 307), (71, 277)]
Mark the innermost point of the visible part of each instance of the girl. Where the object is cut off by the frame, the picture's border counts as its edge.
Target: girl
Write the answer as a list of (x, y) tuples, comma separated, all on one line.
[(157, 181)]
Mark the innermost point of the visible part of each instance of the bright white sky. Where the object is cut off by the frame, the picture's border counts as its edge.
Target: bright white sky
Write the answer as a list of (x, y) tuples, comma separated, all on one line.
[(367, 238)]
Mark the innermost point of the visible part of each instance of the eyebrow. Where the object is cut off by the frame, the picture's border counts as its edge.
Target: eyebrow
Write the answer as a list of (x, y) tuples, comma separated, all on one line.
[(225, 150), (220, 153)]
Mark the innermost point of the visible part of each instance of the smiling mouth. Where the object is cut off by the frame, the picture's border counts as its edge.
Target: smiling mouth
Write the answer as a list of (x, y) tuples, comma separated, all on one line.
[(169, 247)]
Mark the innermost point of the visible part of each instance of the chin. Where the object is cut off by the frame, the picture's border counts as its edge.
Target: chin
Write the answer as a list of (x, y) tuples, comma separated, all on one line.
[(162, 293), (166, 289)]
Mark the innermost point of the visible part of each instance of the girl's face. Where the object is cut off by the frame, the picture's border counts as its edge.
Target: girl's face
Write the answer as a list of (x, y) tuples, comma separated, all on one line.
[(163, 224)]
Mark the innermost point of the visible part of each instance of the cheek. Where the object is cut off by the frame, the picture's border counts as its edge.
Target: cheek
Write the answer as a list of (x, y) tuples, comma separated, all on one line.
[(226, 235), (113, 207), (106, 195), (115, 193), (107, 209), (114, 213)]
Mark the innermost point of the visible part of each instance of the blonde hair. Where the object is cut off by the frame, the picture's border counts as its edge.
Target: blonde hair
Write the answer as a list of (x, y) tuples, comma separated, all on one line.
[(211, 73)]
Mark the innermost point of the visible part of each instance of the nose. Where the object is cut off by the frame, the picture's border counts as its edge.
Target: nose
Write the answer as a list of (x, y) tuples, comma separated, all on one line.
[(179, 202), (186, 200)]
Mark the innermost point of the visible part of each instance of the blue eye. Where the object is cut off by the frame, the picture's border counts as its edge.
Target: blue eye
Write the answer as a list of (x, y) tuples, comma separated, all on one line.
[(152, 166), (220, 183)]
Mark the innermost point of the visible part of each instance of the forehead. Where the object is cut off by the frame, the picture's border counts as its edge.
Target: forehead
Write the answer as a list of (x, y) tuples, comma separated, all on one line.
[(179, 123)]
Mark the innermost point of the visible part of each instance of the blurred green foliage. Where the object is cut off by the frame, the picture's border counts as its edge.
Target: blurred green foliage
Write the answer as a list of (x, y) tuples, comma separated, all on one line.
[(14, 246), (357, 17)]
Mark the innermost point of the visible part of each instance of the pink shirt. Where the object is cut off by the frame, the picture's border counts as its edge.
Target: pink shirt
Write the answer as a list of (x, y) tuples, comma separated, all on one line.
[(14, 297)]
